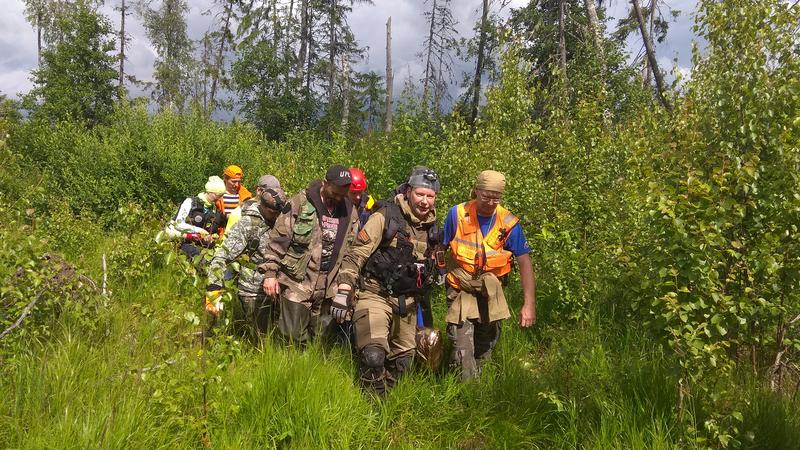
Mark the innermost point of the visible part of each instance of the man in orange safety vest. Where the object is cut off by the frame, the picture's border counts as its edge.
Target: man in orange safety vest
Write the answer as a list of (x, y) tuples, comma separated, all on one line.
[(483, 237)]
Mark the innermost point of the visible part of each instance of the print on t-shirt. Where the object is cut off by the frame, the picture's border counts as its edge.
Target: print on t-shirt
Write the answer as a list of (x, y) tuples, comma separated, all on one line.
[(329, 227)]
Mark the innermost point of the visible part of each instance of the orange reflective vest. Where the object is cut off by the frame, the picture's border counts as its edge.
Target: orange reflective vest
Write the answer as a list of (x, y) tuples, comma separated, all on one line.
[(476, 253)]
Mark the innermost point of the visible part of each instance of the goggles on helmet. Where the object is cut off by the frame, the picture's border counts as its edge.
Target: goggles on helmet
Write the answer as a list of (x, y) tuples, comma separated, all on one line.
[(426, 178)]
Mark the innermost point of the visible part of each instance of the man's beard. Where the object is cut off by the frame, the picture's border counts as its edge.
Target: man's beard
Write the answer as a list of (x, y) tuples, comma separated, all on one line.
[(329, 202)]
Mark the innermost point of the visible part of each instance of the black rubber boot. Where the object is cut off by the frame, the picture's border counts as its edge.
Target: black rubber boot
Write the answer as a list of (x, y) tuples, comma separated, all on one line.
[(396, 367)]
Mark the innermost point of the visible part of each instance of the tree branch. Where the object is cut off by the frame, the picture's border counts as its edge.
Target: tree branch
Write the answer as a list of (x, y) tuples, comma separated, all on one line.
[(143, 370), (25, 313), (63, 268)]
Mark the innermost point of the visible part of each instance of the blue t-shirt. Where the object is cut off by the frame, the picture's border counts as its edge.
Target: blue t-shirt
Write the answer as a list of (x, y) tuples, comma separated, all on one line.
[(516, 242)]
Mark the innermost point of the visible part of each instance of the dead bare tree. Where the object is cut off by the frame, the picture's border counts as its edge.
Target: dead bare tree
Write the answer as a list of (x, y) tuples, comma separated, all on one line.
[(476, 83), (651, 56), (562, 45), (304, 37), (389, 77), (651, 19), (332, 20), (428, 68), (345, 92), (225, 36), (123, 11)]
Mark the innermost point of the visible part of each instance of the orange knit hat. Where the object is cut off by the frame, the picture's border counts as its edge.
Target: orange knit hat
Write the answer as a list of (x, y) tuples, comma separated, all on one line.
[(233, 171)]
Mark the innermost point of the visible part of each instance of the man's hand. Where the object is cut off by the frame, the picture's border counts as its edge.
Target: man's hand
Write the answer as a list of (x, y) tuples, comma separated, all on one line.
[(214, 302), (527, 315), (271, 287), (340, 305)]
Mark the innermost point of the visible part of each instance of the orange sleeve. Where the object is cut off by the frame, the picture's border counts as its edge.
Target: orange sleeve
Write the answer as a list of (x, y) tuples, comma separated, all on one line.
[(244, 194)]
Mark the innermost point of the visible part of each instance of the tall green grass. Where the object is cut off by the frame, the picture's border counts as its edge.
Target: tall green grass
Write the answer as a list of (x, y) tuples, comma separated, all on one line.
[(137, 380)]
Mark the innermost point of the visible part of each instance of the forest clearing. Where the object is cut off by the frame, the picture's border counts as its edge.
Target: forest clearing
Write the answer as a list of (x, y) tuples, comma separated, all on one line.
[(661, 211)]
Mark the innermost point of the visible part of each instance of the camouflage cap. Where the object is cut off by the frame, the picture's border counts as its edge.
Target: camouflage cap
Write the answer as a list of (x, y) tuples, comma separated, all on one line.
[(268, 181), (272, 194)]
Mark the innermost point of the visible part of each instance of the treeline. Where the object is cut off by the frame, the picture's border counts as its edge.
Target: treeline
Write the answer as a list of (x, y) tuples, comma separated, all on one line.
[(291, 64), (279, 64), (672, 212)]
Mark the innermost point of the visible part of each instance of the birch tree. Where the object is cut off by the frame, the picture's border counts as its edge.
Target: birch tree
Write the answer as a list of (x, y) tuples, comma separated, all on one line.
[(165, 26)]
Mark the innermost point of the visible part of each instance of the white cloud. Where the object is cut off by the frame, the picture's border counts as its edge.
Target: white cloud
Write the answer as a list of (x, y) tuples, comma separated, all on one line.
[(15, 82), (18, 39), (17, 50)]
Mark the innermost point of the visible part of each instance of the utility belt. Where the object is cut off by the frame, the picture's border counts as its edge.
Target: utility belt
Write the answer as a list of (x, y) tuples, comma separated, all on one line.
[(403, 306)]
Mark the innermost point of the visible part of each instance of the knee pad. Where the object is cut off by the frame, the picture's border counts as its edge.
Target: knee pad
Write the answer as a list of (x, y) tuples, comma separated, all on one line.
[(373, 356)]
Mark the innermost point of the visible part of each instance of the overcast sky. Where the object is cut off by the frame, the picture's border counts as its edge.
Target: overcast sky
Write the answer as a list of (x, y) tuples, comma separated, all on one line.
[(18, 38)]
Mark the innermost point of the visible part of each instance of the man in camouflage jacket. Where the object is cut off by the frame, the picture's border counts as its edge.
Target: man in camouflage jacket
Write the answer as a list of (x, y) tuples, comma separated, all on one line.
[(304, 254), (247, 241)]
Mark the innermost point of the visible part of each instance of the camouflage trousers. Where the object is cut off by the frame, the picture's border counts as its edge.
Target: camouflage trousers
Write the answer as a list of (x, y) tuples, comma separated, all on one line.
[(473, 343)]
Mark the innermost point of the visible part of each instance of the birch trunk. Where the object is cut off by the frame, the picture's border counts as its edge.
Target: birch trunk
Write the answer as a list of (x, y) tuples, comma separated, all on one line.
[(651, 56)]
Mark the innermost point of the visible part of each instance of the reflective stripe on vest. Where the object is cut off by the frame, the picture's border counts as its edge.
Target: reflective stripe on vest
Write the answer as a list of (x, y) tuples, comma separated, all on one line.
[(475, 253)]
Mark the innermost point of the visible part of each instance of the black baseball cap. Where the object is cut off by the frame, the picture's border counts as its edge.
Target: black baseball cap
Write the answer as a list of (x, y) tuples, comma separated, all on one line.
[(338, 175)]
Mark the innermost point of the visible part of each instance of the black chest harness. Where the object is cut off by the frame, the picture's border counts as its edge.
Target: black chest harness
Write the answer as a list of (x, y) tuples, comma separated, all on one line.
[(396, 268), (204, 217)]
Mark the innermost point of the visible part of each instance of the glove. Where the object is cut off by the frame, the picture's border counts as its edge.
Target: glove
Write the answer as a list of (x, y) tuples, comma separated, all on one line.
[(340, 306), (193, 237), (214, 303)]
